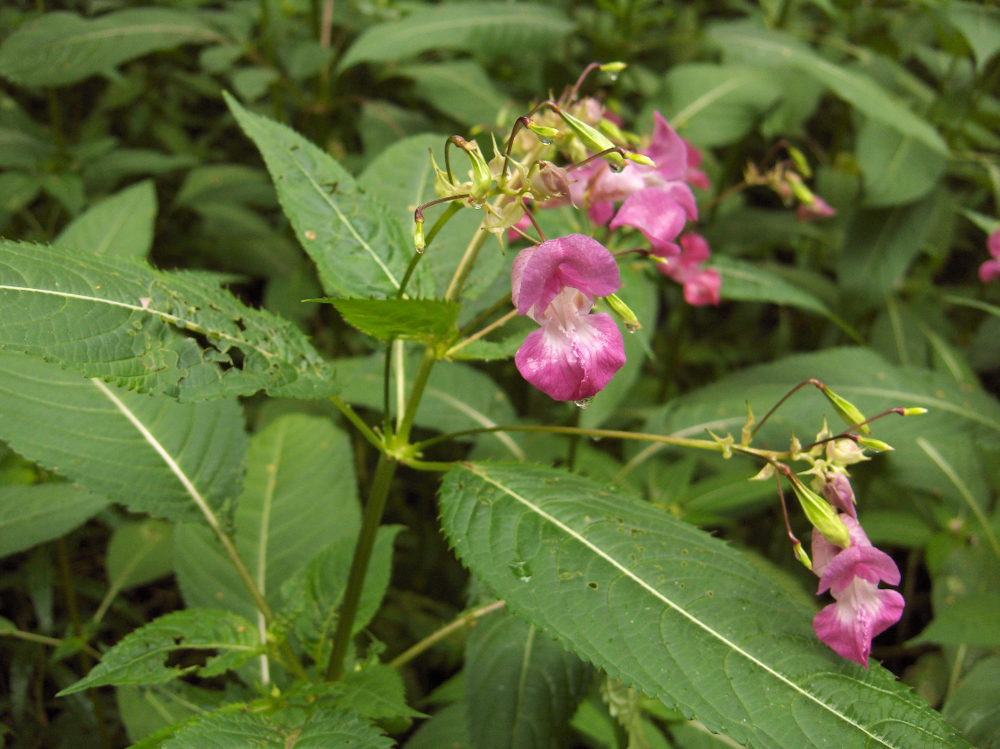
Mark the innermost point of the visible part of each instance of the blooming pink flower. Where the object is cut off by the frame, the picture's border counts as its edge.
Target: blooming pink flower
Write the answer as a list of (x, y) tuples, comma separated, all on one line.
[(862, 610), (991, 268), (657, 215), (669, 152), (574, 354), (694, 175), (701, 285), (819, 209)]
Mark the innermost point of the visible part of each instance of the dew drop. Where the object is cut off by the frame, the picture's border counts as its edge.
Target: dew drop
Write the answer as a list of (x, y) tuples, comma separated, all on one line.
[(612, 77), (616, 168), (585, 403), (546, 141), (631, 327)]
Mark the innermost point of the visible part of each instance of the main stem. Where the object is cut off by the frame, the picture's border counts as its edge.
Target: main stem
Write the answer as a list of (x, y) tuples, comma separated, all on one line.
[(359, 565), (374, 510)]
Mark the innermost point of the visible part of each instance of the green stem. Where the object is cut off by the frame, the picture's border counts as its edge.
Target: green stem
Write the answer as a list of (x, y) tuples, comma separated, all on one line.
[(55, 642), (359, 565), (416, 393), (443, 219), (425, 644), (352, 416)]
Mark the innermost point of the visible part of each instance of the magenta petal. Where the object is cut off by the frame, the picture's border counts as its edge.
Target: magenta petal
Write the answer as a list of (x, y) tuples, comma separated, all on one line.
[(696, 249), (838, 492), (571, 365), (668, 150), (601, 213), (860, 613), (613, 187), (576, 261), (680, 192), (657, 215), (865, 562), (823, 551), (993, 244), (517, 271), (702, 288), (989, 270)]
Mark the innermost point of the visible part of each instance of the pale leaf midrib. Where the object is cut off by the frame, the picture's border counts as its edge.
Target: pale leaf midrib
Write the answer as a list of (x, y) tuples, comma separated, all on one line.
[(477, 470)]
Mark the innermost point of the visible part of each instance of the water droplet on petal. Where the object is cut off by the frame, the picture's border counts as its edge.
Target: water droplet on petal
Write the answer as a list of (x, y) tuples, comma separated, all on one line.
[(546, 141), (631, 327), (613, 77)]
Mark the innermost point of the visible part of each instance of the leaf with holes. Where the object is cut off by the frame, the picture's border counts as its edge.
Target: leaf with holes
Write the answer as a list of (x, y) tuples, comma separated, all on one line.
[(174, 460), (299, 496), (672, 611), (521, 687), (122, 321), (359, 246), (139, 658)]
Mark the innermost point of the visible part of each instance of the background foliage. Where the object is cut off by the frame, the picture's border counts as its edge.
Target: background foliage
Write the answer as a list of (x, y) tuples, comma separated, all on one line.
[(163, 385)]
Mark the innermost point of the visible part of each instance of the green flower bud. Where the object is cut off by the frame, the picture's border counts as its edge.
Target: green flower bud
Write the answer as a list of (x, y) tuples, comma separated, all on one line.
[(640, 158), (846, 410), (801, 555), (482, 178), (914, 411), (593, 139), (822, 515), (873, 444), (613, 67), (418, 234), (622, 310), (801, 163), (545, 134)]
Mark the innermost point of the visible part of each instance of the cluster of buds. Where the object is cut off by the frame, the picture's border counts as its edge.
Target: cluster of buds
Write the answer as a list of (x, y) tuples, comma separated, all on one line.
[(847, 564), (787, 180)]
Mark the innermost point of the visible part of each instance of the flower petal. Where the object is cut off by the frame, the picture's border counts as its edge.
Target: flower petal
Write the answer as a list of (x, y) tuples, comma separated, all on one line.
[(860, 613), (989, 270), (576, 261), (702, 288), (657, 215), (574, 364), (854, 562), (993, 244), (668, 150)]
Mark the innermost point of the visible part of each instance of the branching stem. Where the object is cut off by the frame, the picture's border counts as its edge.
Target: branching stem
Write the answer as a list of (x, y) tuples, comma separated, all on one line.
[(428, 642)]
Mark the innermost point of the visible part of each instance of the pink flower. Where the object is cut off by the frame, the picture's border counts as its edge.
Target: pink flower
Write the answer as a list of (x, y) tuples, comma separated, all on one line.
[(852, 575), (694, 175), (574, 354), (819, 209), (670, 153), (838, 492), (701, 285), (657, 215), (991, 268)]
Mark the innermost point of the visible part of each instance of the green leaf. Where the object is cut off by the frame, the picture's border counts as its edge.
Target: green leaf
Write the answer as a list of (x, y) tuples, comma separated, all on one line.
[(60, 48), (446, 728), (974, 704), (30, 515), (119, 226), (359, 247), (146, 709), (521, 687), (299, 495), (672, 611), (457, 397), (715, 105), (226, 183), (139, 552), (773, 48), (251, 83), (325, 729), (979, 24), (897, 169), (313, 596), (152, 454), (124, 322), (460, 89), (880, 246), (971, 620), (403, 178), (139, 658), (484, 350), (428, 320), (488, 28), (375, 692)]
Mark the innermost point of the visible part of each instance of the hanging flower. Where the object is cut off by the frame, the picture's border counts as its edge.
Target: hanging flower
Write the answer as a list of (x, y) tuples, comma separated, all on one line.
[(658, 216), (991, 268), (575, 353), (862, 610), (701, 285)]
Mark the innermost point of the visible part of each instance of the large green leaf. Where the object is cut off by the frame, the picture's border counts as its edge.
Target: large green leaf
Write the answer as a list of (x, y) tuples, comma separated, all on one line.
[(403, 178), (897, 169), (773, 48), (239, 729), (374, 692), (153, 454), (359, 247), (139, 552), (427, 320), (880, 246), (123, 321), (139, 657), (971, 620), (60, 48), (119, 226), (672, 611), (521, 687), (30, 514), (299, 496), (446, 728), (485, 27), (979, 24), (747, 282), (974, 704), (460, 89)]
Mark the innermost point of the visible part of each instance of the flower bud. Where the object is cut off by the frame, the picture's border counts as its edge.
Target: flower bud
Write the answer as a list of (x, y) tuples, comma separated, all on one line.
[(443, 187), (622, 310), (482, 178), (838, 492), (801, 555), (798, 188), (613, 67), (550, 181), (801, 163), (822, 515), (418, 234), (873, 444), (640, 158), (593, 139), (846, 410), (914, 411), (545, 134), (844, 453)]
